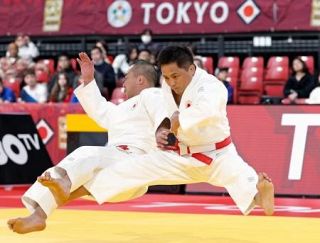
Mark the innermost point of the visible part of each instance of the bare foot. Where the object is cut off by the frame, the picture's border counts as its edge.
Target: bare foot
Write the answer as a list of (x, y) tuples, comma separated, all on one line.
[(265, 197), (28, 224), (60, 188)]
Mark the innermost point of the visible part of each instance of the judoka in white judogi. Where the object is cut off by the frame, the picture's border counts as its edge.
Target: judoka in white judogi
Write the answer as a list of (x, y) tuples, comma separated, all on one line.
[(131, 128)]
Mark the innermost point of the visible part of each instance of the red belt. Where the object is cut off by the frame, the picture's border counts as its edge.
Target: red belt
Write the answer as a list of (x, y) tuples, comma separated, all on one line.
[(201, 156)]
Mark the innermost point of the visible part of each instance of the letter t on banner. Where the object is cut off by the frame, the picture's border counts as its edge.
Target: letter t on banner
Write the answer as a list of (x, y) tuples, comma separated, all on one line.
[(301, 123)]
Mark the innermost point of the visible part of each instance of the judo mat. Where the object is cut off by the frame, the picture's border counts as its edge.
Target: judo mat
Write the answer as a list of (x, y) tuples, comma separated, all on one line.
[(167, 218)]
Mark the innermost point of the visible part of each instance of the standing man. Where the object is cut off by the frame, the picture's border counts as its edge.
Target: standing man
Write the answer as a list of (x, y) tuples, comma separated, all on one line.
[(105, 69), (131, 128)]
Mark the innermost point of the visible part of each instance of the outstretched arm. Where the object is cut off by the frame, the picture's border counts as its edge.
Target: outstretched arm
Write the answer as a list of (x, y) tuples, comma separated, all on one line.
[(87, 68), (90, 97)]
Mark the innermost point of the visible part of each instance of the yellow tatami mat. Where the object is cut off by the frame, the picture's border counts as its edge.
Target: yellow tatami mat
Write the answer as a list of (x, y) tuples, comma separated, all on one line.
[(75, 226)]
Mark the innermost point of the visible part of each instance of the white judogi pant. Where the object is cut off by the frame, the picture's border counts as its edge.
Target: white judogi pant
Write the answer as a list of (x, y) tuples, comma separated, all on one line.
[(131, 177), (81, 166)]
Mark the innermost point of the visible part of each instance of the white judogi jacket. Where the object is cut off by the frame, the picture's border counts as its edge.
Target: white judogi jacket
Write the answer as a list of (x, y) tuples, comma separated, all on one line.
[(132, 122), (203, 117)]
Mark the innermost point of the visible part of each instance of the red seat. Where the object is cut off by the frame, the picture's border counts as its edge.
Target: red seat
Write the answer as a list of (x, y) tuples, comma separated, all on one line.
[(233, 62), (233, 65), (278, 61), (274, 81), (208, 64), (251, 80), (233, 72), (110, 58), (50, 64), (253, 62), (277, 74), (14, 85), (251, 86), (118, 94), (274, 89), (42, 76), (309, 61)]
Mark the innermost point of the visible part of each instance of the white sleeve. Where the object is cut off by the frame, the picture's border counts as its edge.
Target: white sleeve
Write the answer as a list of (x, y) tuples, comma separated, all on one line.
[(94, 104), (43, 93), (206, 107), (117, 62), (155, 106), (33, 49)]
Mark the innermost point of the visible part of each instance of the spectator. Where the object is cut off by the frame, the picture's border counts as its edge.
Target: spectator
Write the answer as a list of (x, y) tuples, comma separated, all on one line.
[(12, 53), (33, 92), (22, 65), (146, 39), (222, 76), (300, 83), (109, 80), (64, 65), (122, 62), (6, 94), (27, 49), (42, 72), (11, 75), (104, 47), (4, 65), (61, 91), (145, 55)]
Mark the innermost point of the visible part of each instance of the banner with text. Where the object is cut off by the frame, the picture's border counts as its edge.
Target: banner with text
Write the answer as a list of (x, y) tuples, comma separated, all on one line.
[(74, 17), (283, 141), (50, 120), (23, 156)]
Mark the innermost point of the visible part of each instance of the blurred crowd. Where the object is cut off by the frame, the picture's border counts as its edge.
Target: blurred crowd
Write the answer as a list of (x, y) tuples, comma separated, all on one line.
[(25, 77)]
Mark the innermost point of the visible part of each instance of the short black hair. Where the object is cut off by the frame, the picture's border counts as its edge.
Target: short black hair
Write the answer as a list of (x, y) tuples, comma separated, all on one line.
[(180, 55), (146, 69), (223, 69)]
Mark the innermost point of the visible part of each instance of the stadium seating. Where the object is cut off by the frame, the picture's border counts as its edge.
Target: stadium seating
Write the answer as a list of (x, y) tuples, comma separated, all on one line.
[(233, 62), (251, 86), (278, 61), (42, 76), (276, 76), (275, 80), (50, 64), (208, 64), (253, 62)]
